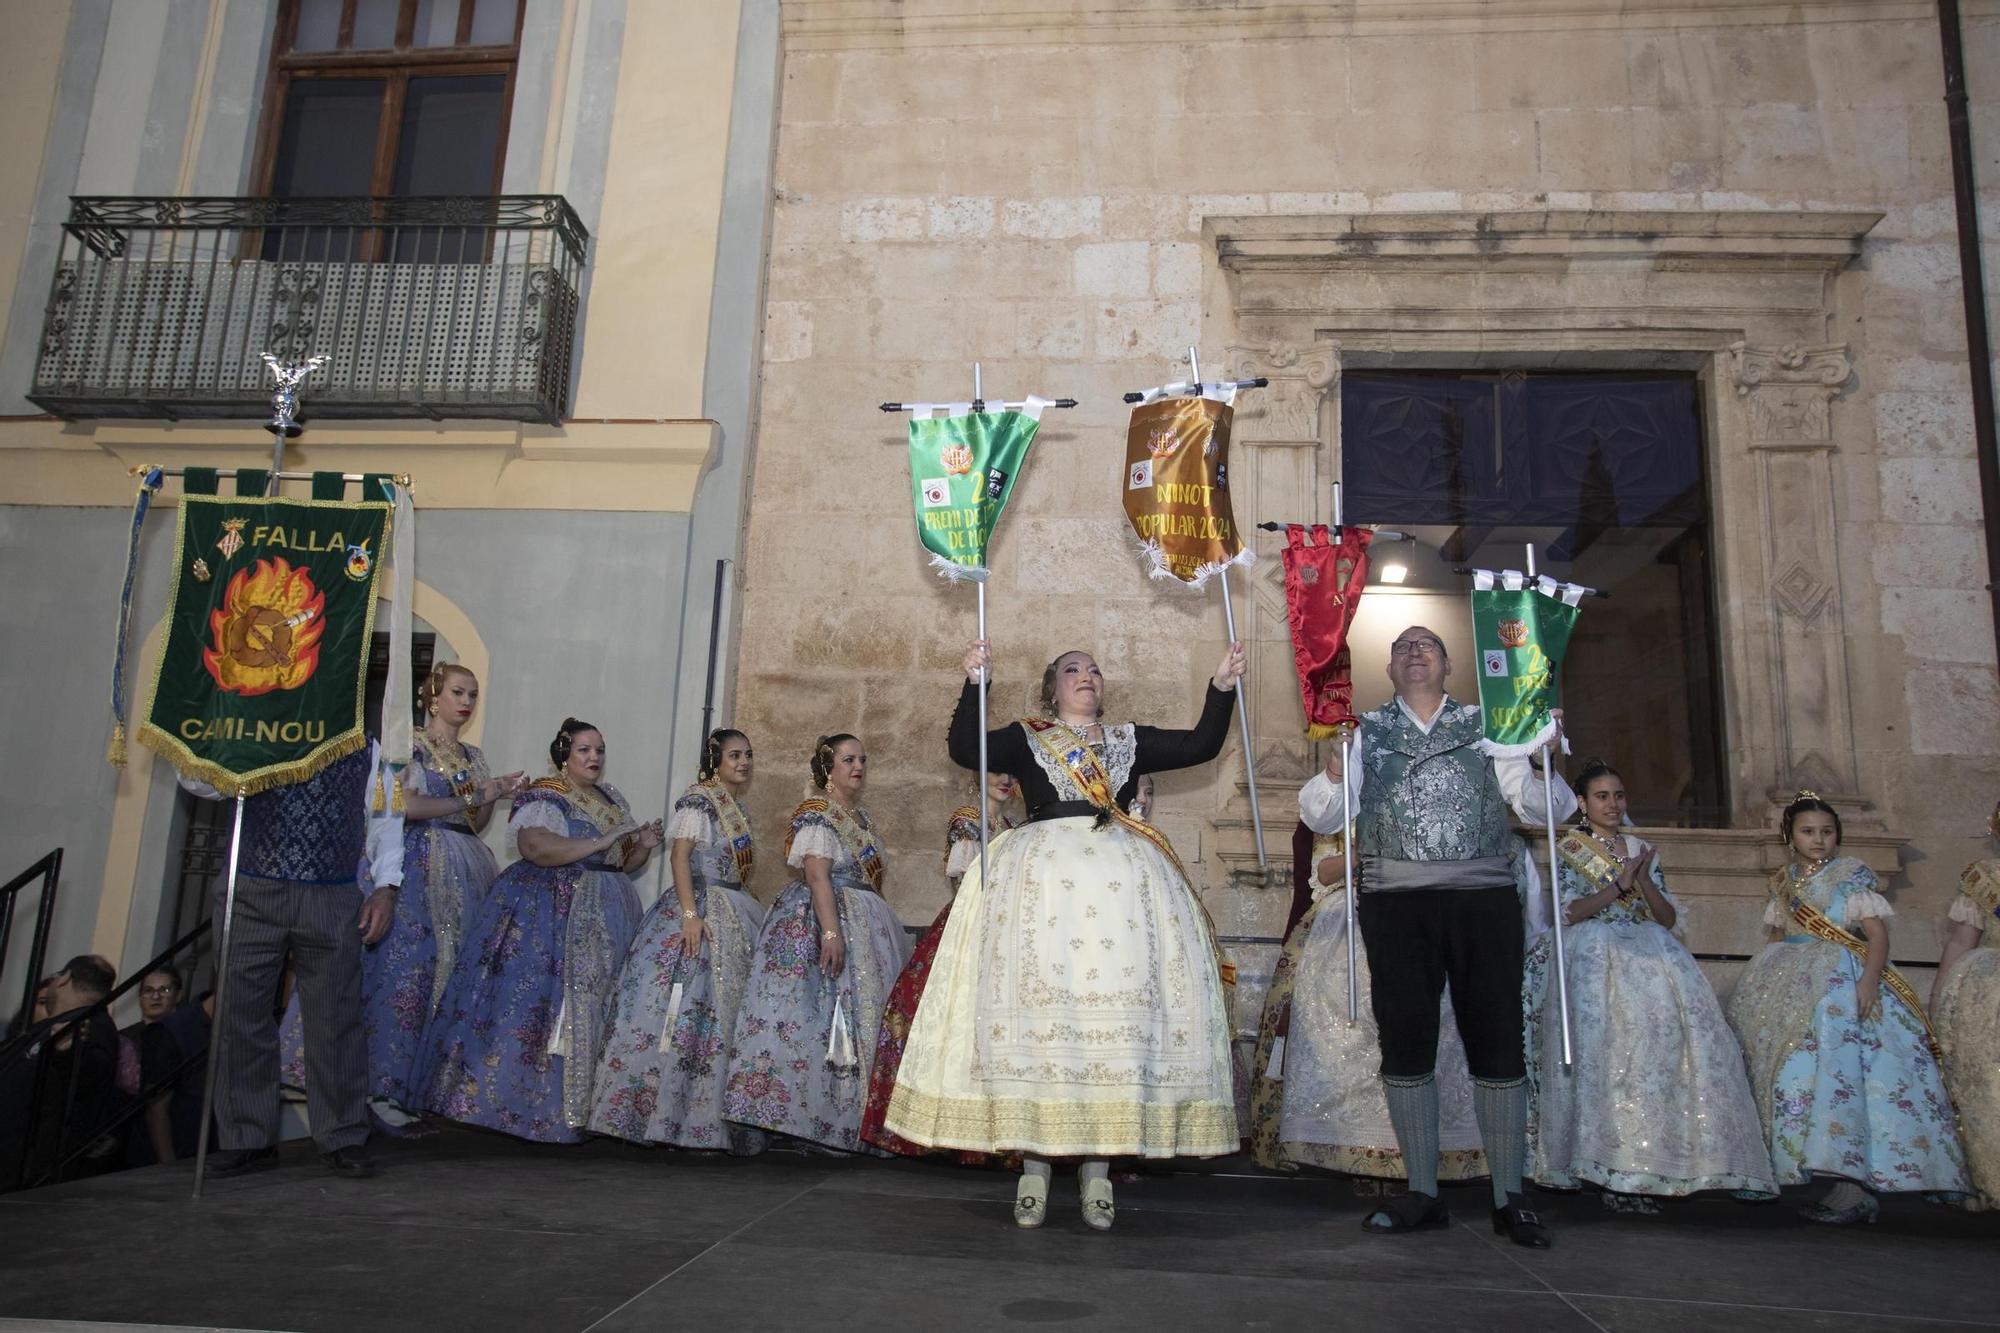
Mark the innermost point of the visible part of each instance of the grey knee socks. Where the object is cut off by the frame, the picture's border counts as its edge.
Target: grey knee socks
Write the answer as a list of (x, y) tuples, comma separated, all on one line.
[(1413, 1110), (1502, 1112)]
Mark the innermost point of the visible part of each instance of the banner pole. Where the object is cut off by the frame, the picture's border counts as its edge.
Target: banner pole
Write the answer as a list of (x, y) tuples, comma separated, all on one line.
[(215, 1027), (1555, 884), (985, 816), (1243, 718), (1347, 836)]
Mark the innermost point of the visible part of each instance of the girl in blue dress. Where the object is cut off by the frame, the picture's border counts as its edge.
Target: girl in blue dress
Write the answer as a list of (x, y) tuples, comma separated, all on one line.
[(518, 1031), (1841, 1059)]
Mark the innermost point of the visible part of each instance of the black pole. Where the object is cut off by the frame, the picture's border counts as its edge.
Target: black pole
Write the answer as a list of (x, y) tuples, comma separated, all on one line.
[(714, 646), (1972, 281)]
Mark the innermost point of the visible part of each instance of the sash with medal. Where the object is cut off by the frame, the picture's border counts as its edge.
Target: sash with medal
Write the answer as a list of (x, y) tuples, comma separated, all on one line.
[(1981, 883), (460, 772), (605, 815), (1068, 748), (1586, 856), (858, 841), (733, 823)]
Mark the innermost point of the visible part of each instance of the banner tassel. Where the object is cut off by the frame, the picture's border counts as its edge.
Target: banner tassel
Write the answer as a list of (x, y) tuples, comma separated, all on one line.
[(673, 1015), (114, 753), (840, 1042)]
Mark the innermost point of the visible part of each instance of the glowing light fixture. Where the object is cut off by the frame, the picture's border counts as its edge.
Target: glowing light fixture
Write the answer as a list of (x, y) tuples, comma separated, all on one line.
[(1395, 573)]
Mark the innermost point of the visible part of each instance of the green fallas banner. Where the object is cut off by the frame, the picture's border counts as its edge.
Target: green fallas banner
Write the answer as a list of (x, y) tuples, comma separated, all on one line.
[(264, 675), (1520, 629), (962, 469)]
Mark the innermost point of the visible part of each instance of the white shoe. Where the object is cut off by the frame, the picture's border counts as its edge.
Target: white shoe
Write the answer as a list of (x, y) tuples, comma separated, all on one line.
[(1031, 1202), (1098, 1214)]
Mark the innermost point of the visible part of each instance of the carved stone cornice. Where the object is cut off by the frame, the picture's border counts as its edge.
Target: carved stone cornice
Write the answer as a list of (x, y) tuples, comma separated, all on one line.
[(862, 24), (1774, 240), (1789, 392)]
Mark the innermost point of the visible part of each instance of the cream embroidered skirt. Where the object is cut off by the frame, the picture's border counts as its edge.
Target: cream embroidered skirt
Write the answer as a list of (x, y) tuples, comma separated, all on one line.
[(1967, 1016), (1073, 1008)]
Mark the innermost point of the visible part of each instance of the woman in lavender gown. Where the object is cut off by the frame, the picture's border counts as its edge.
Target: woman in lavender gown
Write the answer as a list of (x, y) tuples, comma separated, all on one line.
[(829, 952), (448, 797), (518, 1030), (667, 1052)]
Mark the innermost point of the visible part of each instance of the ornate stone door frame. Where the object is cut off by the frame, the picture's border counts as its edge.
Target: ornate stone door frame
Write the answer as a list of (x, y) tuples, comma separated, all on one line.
[(1746, 300)]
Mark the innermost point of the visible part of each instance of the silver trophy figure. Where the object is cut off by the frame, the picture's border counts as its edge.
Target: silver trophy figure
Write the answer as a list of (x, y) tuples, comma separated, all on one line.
[(285, 399)]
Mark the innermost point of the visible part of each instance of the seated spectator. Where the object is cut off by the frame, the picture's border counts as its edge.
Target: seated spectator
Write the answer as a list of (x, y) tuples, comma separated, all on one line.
[(165, 1038), (80, 1049)]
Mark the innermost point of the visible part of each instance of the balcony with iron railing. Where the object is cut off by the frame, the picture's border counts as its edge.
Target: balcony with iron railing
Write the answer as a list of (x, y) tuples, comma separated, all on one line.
[(461, 306)]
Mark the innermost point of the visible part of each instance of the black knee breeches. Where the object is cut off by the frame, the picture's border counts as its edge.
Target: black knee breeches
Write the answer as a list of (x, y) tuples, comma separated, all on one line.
[(1420, 940)]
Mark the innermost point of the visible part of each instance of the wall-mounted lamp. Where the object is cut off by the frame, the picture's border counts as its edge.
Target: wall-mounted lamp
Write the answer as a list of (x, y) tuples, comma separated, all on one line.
[(1394, 573)]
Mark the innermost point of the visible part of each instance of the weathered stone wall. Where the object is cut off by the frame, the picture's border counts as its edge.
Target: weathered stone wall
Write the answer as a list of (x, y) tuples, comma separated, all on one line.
[(956, 186)]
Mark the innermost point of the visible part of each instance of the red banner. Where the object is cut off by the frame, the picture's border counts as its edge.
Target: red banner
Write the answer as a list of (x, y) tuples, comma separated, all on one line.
[(1323, 584)]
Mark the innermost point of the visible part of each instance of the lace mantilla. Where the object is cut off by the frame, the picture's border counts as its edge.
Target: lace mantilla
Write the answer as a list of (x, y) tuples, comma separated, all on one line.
[(1117, 752)]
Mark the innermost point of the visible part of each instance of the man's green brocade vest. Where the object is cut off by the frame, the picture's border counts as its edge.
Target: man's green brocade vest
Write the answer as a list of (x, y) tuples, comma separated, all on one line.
[(1428, 797)]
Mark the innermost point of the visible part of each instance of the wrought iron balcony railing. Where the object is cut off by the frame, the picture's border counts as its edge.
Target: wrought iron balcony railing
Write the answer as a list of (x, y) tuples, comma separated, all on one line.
[(461, 306)]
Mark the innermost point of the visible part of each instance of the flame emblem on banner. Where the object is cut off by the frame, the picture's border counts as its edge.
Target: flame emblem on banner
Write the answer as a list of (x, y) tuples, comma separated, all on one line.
[(1163, 441), (957, 459), (266, 633)]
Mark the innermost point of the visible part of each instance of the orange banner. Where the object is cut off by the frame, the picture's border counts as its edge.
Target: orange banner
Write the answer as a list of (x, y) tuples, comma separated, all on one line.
[(1177, 487)]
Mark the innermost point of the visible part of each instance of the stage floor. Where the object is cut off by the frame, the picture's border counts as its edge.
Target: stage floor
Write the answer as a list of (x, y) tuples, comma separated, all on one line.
[(473, 1231)]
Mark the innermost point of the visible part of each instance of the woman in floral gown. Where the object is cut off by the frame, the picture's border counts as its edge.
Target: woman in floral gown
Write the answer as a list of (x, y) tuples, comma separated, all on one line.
[(448, 797), (1075, 1007), (666, 1055), (828, 954), (961, 840), (515, 1039), (1655, 1102), (1965, 1006), (1841, 1059)]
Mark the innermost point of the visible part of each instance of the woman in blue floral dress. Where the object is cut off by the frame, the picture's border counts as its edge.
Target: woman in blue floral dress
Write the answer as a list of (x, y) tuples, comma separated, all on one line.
[(1655, 1103), (667, 1052), (516, 1036), (1841, 1060), (448, 797), (830, 950)]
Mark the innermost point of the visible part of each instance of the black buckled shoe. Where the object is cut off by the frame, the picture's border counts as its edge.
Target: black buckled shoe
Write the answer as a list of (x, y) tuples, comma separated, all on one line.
[(240, 1162), (1521, 1224), (1407, 1212), (351, 1163)]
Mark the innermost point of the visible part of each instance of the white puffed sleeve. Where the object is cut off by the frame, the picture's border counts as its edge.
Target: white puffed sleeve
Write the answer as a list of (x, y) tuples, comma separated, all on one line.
[(693, 823), (1966, 912), (541, 815), (814, 840), (963, 856), (1775, 915), (1862, 904)]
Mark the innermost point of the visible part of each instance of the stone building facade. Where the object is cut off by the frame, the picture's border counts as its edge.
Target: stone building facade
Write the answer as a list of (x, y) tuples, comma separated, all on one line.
[(1755, 195)]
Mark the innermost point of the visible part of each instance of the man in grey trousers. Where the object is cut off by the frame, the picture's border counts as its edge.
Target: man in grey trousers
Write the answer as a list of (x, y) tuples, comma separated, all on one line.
[(298, 893)]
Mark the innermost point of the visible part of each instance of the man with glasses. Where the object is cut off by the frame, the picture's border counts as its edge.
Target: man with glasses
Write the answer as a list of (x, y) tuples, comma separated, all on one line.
[(1438, 904)]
